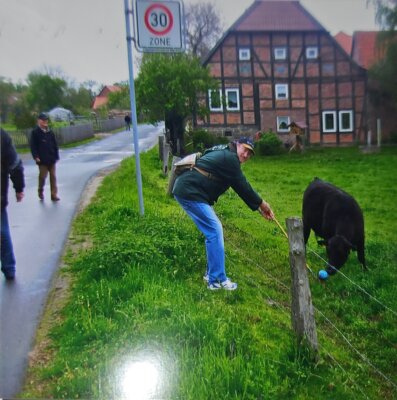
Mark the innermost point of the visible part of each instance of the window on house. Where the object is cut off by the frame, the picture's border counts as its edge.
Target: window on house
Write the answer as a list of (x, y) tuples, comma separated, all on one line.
[(282, 124), (215, 100), (345, 121), (245, 68), (280, 53), (311, 52), (328, 68), (329, 121), (281, 91), (281, 69), (232, 100), (244, 54)]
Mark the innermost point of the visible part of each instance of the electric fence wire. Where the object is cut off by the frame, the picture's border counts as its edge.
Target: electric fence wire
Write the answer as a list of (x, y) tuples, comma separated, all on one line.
[(338, 271), (284, 311), (363, 357), (355, 284)]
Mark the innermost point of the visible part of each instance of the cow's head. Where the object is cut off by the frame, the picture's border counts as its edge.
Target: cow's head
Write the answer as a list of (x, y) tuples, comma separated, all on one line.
[(338, 249)]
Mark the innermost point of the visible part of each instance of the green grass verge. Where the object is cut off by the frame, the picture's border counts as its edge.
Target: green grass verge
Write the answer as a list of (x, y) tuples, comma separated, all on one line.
[(138, 297)]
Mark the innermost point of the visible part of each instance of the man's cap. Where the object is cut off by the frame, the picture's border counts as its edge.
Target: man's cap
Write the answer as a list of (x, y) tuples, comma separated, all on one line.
[(43, 116), (247, 143)]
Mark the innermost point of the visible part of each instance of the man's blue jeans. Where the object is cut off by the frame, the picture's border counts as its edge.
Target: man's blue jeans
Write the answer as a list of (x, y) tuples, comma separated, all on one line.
[(203, 215), (7, 252)]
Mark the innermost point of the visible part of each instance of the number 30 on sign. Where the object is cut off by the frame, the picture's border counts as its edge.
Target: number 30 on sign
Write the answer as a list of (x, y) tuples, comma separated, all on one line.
[(159, 26)]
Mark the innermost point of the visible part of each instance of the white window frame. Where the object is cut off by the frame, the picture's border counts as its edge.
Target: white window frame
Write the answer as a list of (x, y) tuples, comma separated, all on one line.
[(280, 53), (279, 121), (244, 54), (311, 52), (220, 108), (228, 108), (281, 87), (350, 113), (324, 115)]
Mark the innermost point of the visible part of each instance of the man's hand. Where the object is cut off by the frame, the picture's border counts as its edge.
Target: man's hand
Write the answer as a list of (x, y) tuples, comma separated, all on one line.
[(19, 196), (265, 210), (37, 159)]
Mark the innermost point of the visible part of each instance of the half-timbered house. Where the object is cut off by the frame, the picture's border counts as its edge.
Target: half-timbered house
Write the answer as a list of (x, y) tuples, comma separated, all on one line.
[(277, 64)]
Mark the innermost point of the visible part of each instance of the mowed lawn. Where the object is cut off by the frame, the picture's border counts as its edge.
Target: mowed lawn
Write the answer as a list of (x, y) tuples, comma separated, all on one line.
[(138, 321)]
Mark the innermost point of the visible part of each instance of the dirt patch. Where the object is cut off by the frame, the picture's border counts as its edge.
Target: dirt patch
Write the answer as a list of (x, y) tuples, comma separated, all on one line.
[(43, 350)]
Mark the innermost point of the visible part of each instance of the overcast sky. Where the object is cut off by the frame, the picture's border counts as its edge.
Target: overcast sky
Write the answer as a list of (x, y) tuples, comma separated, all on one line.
[(85, 39)]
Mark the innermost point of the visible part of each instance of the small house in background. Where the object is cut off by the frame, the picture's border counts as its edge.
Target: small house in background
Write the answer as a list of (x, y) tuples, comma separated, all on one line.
[(277, 64), (367, 50), (61, 114), (103, 97)]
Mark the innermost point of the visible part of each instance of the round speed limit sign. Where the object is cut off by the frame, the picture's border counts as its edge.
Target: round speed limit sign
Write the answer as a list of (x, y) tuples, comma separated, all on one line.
[(158, 19), (158, 25)]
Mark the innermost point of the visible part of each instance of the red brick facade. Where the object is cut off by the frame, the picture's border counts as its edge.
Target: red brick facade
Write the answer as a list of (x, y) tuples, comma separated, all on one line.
[(287, 74)]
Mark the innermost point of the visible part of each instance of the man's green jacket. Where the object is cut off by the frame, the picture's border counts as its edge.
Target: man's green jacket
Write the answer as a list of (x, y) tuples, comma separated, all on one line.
[(222, 162)]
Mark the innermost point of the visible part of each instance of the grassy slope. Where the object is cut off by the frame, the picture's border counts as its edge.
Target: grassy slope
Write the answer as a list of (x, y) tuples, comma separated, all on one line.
[(138, 290)]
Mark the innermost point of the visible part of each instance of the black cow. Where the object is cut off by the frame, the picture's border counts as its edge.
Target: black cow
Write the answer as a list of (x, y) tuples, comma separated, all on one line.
[(335, 216)]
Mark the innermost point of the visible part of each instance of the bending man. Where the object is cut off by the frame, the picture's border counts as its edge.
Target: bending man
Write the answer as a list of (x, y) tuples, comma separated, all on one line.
[(198, 189)]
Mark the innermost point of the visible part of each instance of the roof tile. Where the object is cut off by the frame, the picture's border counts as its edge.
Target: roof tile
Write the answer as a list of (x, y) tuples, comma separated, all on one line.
[(277, 15)]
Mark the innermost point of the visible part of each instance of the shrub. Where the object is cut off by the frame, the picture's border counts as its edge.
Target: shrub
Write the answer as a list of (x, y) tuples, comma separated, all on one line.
[(23, 118), (202, 139), (269, 144)]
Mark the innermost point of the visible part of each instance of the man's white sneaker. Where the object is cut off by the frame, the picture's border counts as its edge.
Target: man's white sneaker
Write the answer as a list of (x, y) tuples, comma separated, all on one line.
[(227, 285)]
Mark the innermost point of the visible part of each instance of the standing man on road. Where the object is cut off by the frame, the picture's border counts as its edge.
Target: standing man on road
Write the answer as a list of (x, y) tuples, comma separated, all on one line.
[(11, 167), (199, 188), (45, 152), (127, 120)]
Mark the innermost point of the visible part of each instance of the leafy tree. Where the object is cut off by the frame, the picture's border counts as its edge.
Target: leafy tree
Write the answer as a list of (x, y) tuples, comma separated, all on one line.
[(44, 92), (23, 117), (120, 100), (168, 88), (6, 91), (385, 71), (78, 100), (203, 28)]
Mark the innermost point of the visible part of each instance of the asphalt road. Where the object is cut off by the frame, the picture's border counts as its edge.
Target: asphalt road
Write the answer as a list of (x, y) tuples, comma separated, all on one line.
[(39, 230)]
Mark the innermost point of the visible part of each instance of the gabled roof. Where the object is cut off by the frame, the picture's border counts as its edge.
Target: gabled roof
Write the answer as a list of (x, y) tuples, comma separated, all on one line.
[(108, 88), (276, 15), (366, 51), (345, 41), (102, 97)]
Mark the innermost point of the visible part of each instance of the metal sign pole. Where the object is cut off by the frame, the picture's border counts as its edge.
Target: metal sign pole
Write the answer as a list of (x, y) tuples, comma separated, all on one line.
[(128, 12)]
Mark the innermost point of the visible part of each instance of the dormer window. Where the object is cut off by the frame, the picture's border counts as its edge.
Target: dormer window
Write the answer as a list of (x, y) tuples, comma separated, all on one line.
[(244, 54), (311, 52)]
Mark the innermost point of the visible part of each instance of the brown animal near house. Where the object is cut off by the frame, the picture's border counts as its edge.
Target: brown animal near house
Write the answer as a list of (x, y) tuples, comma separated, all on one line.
[(336, 217)]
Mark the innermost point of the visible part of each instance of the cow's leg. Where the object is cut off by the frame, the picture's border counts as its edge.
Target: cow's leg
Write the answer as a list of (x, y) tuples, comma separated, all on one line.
[(361, 255), (306, 231)]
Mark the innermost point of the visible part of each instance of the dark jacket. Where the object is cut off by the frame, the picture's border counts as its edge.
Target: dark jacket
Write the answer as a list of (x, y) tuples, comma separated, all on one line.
[(44, 146), (222, 162), (11, 166)]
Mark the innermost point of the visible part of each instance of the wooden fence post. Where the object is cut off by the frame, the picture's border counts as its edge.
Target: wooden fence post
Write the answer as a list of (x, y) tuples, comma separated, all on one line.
[(302, 312), (166, 156), (161, 147)]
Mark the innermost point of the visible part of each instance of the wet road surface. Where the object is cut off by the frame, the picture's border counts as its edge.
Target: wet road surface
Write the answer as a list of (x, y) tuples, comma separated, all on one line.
[(39, 230)]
